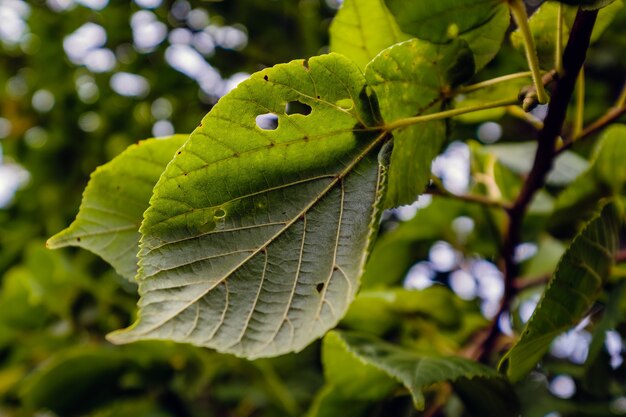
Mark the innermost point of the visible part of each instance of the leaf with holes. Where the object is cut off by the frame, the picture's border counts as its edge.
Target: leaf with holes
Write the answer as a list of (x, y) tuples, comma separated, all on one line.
[(256, 234), (363, 28), (576, 284), (413, 78), (481, 23), (109, 227)]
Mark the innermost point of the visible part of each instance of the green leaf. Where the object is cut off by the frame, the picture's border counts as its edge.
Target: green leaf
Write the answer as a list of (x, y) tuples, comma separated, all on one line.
[(363, 28), (575, 285), (255, 239), (543, 26), (415, 371), (481, 23), (410, 79), (114, 201), (588, 4)]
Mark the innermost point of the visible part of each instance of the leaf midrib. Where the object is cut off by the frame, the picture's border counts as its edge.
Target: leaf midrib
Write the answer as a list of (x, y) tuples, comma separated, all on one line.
[(359, 157)]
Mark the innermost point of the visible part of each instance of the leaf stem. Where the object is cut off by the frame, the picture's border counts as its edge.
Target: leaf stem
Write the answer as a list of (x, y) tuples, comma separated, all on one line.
[(438, 189), (408, 121), (580, 103), (621, 100), (493, 81), (558, 52), (518, 10)]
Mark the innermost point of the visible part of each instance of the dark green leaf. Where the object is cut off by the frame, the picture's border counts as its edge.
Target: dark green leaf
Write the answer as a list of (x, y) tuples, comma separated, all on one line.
[(577, 282), (415, 371), (481, 23)]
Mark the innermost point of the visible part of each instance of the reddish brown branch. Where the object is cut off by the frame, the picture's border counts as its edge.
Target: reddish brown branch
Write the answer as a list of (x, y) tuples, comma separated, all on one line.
[(573, 59)]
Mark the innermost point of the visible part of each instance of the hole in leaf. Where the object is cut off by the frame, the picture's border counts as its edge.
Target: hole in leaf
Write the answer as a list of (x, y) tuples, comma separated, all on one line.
[(267, 121), (345, 104), (219, 213), (319, 287), (297, 107)]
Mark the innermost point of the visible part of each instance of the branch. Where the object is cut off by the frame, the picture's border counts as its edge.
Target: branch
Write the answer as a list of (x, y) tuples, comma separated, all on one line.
[(408, 121), (573, 59), (609, 117)]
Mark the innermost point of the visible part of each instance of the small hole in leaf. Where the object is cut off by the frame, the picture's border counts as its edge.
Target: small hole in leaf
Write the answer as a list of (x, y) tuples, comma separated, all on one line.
[(320, 287), (345, 104), (78, 239), (267, 121), (297, 107), (219, 213)]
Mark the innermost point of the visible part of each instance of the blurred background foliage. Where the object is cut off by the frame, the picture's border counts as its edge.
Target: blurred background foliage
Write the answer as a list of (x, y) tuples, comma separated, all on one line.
[(80, 80)]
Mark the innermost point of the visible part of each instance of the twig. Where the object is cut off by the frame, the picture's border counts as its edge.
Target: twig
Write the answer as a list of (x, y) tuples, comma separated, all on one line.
[(493, 81), (573, 59), (580, 103), (558, 52), (518, 10), (470, 198), (613, 114), (408, 121)]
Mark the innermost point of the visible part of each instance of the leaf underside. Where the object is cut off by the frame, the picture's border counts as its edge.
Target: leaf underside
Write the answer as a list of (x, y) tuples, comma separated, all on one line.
[(113, 203), (255, 239), (576, 284)]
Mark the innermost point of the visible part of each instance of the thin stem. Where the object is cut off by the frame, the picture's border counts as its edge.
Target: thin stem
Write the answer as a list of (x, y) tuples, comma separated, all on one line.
[(408, 121), (493, 81), (439, 190), (558, 52), (527, 117), (613, 114), (621, 100), (580, 103), (518, 10)]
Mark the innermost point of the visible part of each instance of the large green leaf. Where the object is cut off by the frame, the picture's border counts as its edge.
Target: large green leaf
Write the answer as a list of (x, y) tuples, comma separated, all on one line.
[(114, 201), (255, 239), (363, 367), (576, 284), (543, 26), (410, 79), (482, 23), (363, 28)]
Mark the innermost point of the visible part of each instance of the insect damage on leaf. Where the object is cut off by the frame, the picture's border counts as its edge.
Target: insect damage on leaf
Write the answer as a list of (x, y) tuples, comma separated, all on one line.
[(255, 238)]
